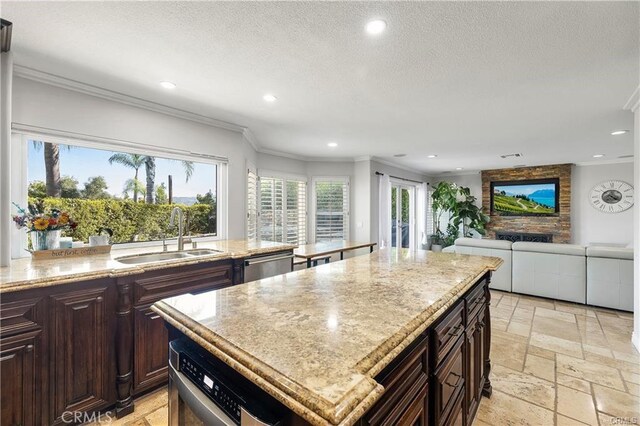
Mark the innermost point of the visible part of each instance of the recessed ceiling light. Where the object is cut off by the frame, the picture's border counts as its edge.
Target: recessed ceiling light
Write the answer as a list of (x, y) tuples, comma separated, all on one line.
[(400, 155), (459, 168), (619, 132), (269, 98), (431, 156), (167, 85), (598, 155), (376, 26), (332, 144)]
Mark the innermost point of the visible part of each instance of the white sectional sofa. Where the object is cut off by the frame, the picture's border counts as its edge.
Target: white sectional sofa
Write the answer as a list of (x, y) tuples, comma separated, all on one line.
[(557, 271), (501, 279), (599, 276), (610, 277)]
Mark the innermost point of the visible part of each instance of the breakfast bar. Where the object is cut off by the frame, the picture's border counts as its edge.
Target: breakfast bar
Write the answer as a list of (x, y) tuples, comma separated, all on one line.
[(393, 337)]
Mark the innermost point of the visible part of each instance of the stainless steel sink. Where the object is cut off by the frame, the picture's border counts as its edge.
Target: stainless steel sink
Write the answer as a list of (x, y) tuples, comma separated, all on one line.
[(159, 257), (201, 252), (153, 257)]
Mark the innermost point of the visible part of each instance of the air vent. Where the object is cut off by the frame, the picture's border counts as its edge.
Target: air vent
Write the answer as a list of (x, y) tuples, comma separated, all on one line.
[(626, 156), (511, 156)]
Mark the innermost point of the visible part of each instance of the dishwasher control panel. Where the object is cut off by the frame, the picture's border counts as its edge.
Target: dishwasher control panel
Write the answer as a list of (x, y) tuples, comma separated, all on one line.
[(225, 398)]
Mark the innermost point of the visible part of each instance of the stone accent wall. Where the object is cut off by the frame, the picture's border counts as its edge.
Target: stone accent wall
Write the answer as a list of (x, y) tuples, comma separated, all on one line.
[(559, 225)]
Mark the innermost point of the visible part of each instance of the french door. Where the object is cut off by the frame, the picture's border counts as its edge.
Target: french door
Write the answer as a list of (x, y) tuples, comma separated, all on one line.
[(403, 215)]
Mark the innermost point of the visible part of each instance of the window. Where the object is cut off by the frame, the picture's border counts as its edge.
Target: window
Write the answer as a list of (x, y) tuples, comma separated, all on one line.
[(331, 201), (131, 193), (282, 215), (429, 219), (252, 205)]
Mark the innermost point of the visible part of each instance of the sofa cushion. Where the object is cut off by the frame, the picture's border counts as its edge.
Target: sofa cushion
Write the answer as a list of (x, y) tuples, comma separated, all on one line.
[(491, 244), (610, 252), (569, 249)]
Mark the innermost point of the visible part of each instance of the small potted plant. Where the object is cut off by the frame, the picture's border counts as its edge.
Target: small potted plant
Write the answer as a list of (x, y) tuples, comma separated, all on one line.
[(437, 240), (44, 226)]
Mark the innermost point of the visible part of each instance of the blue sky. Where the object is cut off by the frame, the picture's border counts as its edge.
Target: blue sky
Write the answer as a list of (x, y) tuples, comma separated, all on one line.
[(83, 163), (524, 189)]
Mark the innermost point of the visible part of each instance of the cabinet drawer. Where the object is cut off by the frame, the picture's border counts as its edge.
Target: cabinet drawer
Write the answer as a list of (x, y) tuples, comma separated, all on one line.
[(448, 331), (403, 384), (21, 316), (449, 381), (475, 300), (161, 284)]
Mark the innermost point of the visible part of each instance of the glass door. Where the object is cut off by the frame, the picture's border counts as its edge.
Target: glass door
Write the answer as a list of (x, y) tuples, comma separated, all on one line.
[(402, 215)]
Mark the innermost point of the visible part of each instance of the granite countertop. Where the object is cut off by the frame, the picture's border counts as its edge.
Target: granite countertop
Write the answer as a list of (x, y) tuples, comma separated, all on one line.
[(315, 339), (26, 273)]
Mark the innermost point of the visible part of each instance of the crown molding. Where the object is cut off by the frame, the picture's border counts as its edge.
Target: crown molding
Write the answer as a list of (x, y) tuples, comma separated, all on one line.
[(248, 135), (400, 166), (88, 89), (634, 101), (456, 173), (602, 162), (362, 158)]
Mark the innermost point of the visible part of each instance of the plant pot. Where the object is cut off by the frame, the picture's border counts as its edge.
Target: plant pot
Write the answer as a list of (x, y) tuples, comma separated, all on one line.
[(45, 240), (436, 248)]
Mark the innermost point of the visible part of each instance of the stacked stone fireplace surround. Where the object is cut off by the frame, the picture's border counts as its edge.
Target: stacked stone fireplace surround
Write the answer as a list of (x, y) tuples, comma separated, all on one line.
[(557, 226)]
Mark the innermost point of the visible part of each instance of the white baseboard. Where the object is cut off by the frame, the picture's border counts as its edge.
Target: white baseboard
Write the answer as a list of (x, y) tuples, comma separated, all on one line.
[(635, 339)]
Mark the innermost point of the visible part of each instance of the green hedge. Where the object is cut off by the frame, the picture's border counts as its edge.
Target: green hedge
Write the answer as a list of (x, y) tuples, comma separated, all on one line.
[(131, 221)]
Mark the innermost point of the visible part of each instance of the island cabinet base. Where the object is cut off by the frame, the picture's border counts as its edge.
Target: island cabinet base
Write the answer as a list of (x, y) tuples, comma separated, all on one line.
[(437, 380)]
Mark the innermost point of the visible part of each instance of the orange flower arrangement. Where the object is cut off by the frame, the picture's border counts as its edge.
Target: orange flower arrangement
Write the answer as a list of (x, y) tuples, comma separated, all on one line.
[(37, 220)]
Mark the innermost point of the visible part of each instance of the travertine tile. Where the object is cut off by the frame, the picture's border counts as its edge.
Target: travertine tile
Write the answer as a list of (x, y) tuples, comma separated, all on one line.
[(630, 377), (566, 421), (524, 386), (540, 367), (556, 344), (159, 417), (590, 371), (556, 328), (543, 353), (503, 409), (556, 315), (536, 301), (577, 405), (616, 403), (573, 383), (519, 328), (575, 309)]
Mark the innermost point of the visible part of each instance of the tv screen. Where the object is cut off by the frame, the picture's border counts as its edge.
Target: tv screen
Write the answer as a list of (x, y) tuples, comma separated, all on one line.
[(525, 198)]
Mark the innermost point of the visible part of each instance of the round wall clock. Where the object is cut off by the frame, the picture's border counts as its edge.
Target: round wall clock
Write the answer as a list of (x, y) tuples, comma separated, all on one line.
[(612, 196)]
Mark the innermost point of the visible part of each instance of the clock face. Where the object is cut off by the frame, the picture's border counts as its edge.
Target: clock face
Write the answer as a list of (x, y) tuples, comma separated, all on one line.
[(612, 196)]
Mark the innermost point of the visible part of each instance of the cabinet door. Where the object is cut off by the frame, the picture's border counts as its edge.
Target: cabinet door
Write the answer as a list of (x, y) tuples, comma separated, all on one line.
[(81, 352), (475, 363), (151, 345), (416, 414), (19, 369)]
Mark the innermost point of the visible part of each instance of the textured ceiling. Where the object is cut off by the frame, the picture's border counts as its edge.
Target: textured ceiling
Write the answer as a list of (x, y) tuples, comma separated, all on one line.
[(465, 81)]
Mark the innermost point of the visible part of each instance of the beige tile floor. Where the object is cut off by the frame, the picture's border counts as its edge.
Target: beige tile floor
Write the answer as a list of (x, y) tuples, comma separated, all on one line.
[(554, 363)]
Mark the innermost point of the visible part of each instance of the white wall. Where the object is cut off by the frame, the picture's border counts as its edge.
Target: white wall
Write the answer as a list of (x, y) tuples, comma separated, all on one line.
[(587, 224), (50, 107)]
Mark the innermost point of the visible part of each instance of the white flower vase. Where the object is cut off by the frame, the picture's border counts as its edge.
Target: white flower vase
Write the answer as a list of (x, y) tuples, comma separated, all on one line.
[(45, 240)]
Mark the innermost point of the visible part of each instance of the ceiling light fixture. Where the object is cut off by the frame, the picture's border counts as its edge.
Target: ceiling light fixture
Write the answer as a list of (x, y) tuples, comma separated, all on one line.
[(431, 156), (459, 168), (619, 132), (598, 155), (376, 26), (332, 144), (167, 85), (269, 98)]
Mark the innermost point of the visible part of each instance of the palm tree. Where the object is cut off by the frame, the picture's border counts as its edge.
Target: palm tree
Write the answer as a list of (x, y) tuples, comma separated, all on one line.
[(150, 168), (132, 161), (135, 186), (52, 167)]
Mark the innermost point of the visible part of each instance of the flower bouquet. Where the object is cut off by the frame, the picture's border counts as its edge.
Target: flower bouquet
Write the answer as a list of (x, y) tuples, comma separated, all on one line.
[(45, 226)]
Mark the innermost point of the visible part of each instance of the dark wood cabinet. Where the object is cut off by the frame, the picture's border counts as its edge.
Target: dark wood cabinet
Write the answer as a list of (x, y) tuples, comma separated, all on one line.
[(475, 362), (81, 350), (150, 365), (19, 387)]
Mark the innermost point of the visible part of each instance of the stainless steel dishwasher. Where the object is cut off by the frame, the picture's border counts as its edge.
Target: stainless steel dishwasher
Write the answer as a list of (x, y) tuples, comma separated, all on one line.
[(269, 265)]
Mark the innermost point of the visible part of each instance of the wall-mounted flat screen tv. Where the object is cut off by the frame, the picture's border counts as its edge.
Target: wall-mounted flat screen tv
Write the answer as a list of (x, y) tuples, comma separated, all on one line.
[(525, 197)]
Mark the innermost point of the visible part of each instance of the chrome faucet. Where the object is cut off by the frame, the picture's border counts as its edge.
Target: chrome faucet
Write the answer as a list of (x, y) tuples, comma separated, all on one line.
[(178, 210)]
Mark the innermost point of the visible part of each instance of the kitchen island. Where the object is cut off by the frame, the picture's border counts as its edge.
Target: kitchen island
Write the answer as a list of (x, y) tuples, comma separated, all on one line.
[(393, 337)]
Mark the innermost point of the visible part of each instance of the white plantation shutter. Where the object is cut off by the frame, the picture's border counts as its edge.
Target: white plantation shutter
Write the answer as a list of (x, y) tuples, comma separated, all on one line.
[(252, 205), (430, 229), (296, 212), (331, 209), (282, 215)]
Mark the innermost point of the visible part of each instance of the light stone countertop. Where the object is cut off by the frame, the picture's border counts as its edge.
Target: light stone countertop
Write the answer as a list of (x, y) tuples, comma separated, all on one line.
[(315, 339), (25, 273)]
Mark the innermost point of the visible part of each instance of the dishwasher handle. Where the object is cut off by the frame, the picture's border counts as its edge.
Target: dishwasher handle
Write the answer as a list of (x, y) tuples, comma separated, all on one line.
[(260, 260)]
